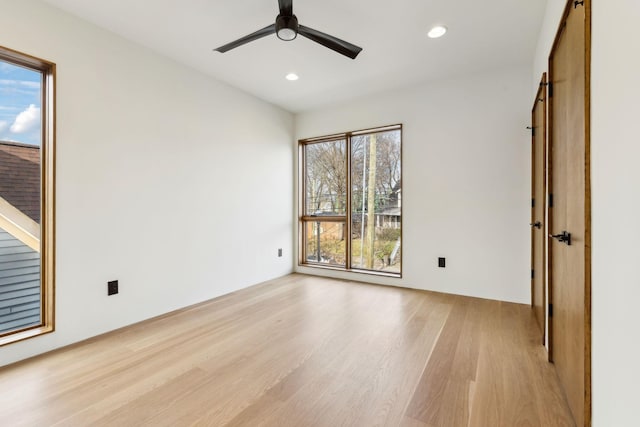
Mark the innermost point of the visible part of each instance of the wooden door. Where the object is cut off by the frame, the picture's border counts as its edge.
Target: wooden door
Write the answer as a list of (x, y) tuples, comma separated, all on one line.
[(538, 205), (569, 209)]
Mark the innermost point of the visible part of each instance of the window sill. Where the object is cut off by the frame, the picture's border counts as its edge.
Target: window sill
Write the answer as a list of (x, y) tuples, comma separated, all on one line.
[(353, 270), (25, 335)]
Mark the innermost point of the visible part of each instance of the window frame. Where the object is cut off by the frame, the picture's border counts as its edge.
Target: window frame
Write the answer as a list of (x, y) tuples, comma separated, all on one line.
[(303, 219), (47, 195)]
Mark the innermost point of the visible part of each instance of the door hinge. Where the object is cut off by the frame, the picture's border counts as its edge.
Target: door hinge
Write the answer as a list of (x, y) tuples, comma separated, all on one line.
[(532, 274), (533, 131), (533, 203), (578, 3), (550, 200), (549, 85), (550, 310)]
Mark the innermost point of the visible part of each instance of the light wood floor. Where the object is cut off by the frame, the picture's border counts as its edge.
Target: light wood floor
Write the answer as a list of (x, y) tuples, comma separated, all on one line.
[(300, 351)]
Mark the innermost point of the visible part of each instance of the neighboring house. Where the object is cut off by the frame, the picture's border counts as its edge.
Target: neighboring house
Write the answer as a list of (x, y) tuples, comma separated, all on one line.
[(19, 256), (390, 216), (20, 177)]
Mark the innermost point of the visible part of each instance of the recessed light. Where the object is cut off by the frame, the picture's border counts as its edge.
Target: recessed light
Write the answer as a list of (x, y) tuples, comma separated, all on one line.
[(437, 31), (292, 77)]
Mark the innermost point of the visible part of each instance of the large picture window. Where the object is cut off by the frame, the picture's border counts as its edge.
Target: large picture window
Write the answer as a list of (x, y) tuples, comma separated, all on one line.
[(26, 196), (351, 201)]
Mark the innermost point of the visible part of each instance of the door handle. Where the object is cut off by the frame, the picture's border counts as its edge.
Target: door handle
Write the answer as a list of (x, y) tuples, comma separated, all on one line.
[(563, 237), (537, 225)]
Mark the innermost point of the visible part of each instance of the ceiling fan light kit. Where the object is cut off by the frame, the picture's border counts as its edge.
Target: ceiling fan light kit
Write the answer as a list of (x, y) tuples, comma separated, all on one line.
[(287, 28)]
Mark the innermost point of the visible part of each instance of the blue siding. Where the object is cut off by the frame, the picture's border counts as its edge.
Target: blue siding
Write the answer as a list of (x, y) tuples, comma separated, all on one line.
[(19, 284)]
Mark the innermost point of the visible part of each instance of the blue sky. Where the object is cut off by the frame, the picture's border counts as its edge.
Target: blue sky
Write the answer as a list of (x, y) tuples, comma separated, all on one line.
[(20, 103)]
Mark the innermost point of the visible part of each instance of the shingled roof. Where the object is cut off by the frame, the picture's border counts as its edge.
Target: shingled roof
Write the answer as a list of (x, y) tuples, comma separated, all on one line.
[(20, 177)]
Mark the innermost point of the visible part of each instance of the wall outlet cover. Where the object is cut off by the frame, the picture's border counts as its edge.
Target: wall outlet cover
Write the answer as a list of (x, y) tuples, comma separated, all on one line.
[(112, 287)]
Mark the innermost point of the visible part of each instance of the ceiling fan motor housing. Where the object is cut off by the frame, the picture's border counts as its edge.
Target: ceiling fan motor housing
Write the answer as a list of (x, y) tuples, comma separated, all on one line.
[(287, 27)]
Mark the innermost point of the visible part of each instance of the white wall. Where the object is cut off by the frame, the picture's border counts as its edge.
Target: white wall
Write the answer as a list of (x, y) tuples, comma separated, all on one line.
[(548, 30), (615, 180), (167, 180), (466, 191), (616, 211)]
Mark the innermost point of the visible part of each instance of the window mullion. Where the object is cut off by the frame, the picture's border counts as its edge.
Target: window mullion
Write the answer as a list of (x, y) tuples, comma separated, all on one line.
[(302, 203), (348, 151), (322, 218)]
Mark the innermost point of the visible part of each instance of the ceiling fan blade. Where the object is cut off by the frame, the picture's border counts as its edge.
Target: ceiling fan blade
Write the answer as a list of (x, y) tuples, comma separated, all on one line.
[(271, 29), (286, 7), (334, 43)]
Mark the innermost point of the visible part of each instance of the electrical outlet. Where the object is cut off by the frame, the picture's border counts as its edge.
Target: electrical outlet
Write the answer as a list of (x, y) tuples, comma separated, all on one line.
[(280, 252), (441, 263), (112, 287)]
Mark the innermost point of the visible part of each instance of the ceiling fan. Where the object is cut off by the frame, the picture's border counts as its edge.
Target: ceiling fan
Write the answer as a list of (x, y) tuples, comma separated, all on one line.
[(287, 28)]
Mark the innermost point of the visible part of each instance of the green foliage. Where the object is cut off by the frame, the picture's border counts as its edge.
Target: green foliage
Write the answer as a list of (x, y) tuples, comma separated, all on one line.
[(333, 249), (391, 234)]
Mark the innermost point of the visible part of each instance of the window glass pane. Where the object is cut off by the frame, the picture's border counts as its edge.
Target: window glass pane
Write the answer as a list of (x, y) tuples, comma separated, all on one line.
[(20, 160), (376, 201), (326, 180), (325, 242)]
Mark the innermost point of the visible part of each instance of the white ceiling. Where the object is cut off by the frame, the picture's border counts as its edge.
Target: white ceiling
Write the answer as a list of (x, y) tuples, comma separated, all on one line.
[(483, 35)]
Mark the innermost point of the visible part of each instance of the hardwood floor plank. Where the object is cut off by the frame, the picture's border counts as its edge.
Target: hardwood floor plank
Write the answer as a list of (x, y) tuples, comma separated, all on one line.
[(140, 408), (300, 351), (510, 370), (428, 403), (410, 422)]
